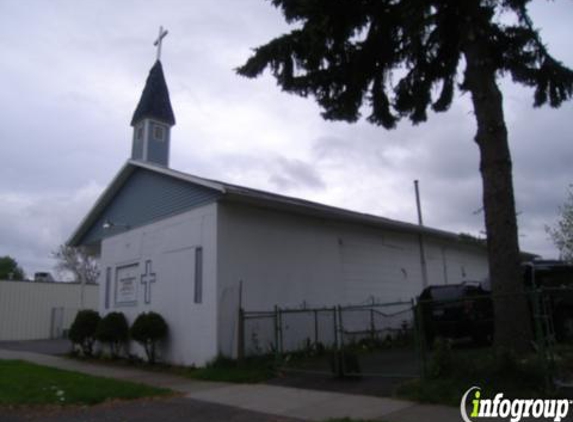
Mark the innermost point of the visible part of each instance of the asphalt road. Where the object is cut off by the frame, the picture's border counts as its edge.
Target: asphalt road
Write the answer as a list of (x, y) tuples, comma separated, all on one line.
[(165, 410)]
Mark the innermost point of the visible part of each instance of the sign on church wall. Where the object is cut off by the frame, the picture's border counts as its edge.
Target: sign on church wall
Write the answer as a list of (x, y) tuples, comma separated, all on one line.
[(126, 284)]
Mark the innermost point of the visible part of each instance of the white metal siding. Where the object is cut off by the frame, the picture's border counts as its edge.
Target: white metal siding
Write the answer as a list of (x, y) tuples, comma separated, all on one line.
[(26, 307), (292, 261)]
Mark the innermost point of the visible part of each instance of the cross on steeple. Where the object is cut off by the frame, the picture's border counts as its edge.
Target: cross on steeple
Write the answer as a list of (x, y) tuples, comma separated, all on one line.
[(157, 43), (146, 280)]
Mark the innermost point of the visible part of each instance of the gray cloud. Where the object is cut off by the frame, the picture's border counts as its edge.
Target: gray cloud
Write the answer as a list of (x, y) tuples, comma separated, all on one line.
[(292, 174), (72, 74), (33, 225)]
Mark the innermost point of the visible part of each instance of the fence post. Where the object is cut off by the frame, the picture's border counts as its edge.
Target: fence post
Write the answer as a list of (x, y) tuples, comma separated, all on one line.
[(280, 329), (342, 366), (336, 349), (277, 351), (335, 327), (419, 334), (241, 335), (372, 325), (315, 328)]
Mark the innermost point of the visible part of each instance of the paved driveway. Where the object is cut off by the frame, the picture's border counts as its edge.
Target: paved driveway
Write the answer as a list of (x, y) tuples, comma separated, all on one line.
[(45, 347)]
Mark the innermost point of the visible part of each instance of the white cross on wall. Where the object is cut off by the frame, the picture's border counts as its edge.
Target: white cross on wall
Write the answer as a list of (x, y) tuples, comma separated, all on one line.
[(146, 280), (159, 40)]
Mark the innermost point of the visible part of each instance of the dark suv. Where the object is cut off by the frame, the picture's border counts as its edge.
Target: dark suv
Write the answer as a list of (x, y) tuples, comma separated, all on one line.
[(466, 309), (456, 311)]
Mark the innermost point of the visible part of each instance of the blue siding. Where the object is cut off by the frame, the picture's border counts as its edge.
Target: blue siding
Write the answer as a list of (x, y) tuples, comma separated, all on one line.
[(137, 148), (145, 197), (158, 151)]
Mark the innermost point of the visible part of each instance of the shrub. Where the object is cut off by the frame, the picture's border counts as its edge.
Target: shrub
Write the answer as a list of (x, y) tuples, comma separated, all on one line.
[(148, 329), (83, 329), (113, 330)]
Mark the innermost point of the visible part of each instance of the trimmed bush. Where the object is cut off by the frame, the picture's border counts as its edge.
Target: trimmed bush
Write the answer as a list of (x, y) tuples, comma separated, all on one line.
[(83, 329), (148, 329), (113, 331)]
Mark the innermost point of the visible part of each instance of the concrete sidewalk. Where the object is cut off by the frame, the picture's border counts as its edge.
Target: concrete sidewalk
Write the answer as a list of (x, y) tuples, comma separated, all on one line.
[(296, 403)]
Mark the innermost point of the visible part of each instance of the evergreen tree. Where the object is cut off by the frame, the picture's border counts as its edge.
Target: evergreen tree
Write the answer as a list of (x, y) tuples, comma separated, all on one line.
[(348, 54)]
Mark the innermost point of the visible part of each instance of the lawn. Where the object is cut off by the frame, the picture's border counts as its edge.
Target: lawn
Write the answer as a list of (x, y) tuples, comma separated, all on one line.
[(23, 383), (228, 370)]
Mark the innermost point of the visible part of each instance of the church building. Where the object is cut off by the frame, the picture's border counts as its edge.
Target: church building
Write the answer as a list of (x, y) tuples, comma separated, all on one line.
[(195, 250)]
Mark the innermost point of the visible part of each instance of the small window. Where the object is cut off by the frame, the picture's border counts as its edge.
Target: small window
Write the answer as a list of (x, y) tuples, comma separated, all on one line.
[(158, 133), (199, 275), (139, 133)]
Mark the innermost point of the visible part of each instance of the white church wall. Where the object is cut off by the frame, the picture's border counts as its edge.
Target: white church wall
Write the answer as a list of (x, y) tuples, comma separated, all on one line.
[(169, 246), (281, 259), (295, 261)]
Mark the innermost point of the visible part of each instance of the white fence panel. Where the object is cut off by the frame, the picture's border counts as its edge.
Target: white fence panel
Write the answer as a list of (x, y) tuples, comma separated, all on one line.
[(35, 310)]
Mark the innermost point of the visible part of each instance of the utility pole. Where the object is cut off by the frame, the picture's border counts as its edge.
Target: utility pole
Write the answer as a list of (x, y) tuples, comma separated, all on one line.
[(421, 238)]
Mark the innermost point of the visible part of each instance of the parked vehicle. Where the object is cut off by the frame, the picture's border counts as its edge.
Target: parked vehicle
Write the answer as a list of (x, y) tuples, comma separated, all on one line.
[(466, 309), (456, 311)]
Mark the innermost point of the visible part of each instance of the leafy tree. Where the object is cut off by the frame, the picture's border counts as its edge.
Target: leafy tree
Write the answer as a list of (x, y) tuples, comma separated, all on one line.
[(83, 330), (148, 329), (10, 270), (113, 330), (391, 58), (562, 232)]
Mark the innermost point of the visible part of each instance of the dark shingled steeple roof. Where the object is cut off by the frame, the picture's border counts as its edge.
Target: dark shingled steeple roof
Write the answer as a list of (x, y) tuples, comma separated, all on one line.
[(154, 102)]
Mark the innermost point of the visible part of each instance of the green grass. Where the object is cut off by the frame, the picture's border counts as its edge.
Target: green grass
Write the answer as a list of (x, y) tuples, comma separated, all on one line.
[(23, 383), (223, 369)]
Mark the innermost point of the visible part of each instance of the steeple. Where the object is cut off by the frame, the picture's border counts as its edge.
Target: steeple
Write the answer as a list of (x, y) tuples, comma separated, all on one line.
[(152, 120)]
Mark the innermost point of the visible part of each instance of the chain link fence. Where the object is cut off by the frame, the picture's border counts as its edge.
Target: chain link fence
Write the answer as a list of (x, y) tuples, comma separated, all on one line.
[(396, 339), (374, 339)]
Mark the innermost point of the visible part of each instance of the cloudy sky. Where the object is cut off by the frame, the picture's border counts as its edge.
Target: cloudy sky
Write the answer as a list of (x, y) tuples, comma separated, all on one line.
[(72, 73)]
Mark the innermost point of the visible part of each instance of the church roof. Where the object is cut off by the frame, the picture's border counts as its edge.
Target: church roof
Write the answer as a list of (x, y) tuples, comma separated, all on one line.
[(226, 192), (154, 102)]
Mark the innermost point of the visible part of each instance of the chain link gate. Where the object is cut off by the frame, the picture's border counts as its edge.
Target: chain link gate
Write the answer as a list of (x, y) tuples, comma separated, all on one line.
[(376, 339)]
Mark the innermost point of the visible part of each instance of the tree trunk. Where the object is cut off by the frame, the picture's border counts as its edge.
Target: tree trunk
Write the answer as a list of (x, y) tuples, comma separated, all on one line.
[(512, 322)]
